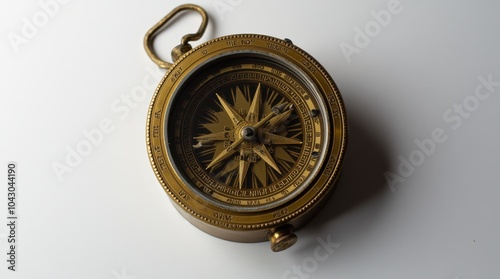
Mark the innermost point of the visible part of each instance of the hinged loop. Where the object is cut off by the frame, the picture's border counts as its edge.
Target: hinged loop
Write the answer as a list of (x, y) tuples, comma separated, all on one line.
[(184, 46)]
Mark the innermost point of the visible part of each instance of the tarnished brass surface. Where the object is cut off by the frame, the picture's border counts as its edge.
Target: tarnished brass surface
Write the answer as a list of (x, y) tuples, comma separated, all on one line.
[(247, 135)]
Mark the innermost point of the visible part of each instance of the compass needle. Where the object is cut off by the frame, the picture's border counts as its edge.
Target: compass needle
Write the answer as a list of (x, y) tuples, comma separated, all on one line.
[(275, 139), (264, 120), (212, 137), (280, 118)]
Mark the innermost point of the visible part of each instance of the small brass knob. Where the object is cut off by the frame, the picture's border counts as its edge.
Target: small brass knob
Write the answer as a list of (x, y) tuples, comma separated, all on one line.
[(179, 50), (282, 238)]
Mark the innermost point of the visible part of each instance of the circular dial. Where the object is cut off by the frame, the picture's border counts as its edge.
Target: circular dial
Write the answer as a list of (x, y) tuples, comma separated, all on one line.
[(246, 132)]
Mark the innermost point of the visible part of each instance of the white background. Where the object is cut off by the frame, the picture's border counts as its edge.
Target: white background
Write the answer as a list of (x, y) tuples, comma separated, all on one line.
[(106, 216)]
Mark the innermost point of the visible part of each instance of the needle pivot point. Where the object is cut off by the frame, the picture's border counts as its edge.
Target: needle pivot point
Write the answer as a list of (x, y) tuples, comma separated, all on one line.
[(248, 133)]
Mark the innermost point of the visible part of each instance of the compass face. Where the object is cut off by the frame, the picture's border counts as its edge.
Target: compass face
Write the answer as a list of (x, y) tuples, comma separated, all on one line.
[(247, 132)]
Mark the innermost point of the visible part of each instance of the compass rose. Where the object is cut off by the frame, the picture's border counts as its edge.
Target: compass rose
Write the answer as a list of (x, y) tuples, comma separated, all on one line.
[(255, 139)]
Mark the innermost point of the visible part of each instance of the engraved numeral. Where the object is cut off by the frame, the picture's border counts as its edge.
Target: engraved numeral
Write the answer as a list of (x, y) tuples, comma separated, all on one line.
[(222, 216), (280, 213), (184, 195), (156, 131)]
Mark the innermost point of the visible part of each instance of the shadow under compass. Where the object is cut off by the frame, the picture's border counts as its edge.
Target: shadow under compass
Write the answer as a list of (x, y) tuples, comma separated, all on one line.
[(362, 179)]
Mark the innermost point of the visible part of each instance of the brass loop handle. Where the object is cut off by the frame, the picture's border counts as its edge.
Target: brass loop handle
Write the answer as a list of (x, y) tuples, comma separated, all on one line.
[(184, 46)]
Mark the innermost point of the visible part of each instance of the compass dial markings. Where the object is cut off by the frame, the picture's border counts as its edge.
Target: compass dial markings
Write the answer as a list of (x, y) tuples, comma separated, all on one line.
[(269, 115), (283, 110)]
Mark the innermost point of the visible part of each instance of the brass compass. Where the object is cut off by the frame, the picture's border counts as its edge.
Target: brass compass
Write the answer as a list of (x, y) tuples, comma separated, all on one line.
[(246, 133)]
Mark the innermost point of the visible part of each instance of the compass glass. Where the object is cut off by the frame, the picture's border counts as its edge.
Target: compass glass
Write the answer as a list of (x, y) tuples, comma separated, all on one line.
[(247, 131)]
